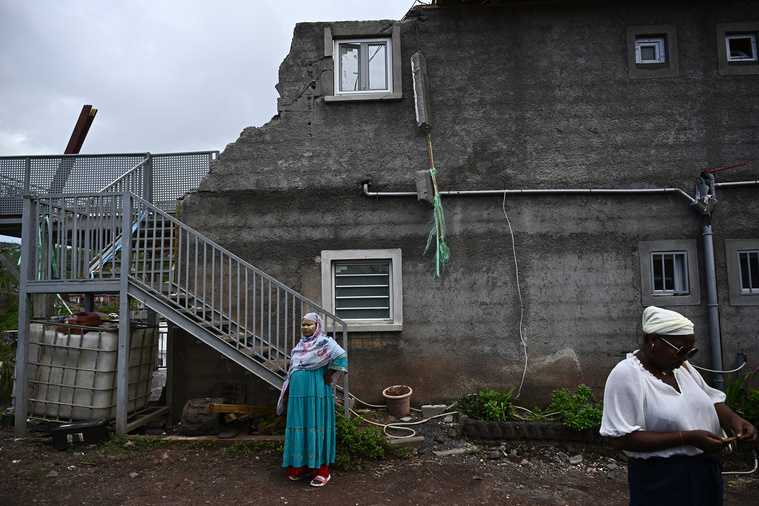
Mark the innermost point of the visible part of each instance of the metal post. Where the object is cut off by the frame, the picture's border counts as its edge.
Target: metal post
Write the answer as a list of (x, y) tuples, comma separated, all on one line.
[(28, 254), (122, 360)]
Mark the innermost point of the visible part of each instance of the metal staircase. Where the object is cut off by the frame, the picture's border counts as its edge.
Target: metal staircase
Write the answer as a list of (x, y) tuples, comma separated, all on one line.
[(117, 242)]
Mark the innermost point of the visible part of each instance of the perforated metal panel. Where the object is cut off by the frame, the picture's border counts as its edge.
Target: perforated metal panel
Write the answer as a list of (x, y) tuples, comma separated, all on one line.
[(176, 174), (172, 176)]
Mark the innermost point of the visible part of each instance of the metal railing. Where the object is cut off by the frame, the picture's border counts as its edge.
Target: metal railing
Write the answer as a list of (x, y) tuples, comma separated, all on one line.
[(80, 239), (158, 178)]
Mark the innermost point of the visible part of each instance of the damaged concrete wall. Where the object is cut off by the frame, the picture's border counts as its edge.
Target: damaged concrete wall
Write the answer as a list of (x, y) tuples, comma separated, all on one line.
[(531, 96)]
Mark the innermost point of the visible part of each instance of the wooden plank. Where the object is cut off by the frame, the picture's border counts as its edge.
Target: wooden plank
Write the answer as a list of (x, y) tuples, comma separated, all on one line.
[(241, 408)]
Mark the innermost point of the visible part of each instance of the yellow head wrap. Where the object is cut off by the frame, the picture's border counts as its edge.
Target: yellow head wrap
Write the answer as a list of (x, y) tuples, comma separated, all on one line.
[(665, 322)]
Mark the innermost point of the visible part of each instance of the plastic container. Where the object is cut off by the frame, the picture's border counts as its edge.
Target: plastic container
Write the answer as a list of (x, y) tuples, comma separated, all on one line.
[(72, 376)]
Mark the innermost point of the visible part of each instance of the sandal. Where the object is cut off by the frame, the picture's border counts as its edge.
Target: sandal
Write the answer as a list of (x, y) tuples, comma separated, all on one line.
[(299, 477), (320, 481)]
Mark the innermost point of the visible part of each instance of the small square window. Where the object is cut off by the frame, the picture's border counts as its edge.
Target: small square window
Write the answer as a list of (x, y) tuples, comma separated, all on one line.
[(669, 273), (650, 50), (737, 54), (741, 47), (742, 257), (366, 62), (364, 288)]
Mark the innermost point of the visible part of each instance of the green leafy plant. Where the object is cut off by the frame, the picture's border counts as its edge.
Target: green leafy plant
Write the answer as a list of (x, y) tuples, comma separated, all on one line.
[(357, 444), (743, 399), (121, 444), (580, 410), (238, 449), (488, 404)]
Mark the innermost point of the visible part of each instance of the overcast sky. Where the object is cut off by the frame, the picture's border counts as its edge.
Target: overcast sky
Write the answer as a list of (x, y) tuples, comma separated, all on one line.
[(165, 75)]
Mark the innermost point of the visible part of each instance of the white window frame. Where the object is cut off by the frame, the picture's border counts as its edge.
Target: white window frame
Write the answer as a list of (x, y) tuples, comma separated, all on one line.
[(679, 272), (729, 66), (752, 42), (364, 57), (329, 258), (366, 31), (739, 294), (687, 250), (667, 63), (657, 43)]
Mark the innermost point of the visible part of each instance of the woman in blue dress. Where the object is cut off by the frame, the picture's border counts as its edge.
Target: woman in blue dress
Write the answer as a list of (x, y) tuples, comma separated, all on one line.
[(307, 397)]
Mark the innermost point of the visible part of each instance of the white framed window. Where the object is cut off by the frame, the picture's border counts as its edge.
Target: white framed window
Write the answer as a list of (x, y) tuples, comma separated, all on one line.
[(364, 288), (742, 257), (363, 66), (669, 273), (650, 50), (748, 263), (737, 53), (366, 58), (741, 47)]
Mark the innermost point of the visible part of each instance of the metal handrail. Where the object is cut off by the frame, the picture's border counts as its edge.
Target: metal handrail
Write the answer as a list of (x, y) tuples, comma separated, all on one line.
[(243, 307)]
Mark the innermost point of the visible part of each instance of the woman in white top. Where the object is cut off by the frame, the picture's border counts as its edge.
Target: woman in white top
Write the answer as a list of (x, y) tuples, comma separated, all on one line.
[(662, 414)]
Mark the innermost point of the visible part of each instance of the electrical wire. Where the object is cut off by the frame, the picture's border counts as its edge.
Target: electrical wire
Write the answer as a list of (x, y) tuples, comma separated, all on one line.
[(398, 425), (720, 372), (519, 292), (756, 465)]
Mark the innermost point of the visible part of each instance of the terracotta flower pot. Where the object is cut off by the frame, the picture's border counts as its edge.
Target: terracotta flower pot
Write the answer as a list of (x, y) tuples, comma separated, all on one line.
[(398, 399)]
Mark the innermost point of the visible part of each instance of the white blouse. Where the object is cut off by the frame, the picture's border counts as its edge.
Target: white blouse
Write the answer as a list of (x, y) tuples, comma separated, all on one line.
[(634, 399)]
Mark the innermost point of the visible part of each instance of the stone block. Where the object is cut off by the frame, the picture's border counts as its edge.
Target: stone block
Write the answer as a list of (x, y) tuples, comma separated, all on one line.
[(410, 442), (430, 410)]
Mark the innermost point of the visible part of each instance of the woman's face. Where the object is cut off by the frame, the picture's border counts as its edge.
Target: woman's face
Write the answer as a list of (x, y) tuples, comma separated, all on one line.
[(307, 327), (667, 348)]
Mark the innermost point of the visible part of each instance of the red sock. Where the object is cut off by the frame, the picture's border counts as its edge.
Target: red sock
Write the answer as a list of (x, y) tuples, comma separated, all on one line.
[(295, 471), (322, 471)]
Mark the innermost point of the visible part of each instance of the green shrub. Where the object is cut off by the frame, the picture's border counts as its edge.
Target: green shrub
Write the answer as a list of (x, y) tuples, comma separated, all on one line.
[(743, 399), (579, 410), (488, 404), (356, 444)]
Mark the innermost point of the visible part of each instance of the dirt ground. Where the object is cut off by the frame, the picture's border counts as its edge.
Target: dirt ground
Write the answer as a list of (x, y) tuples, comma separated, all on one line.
[(443, 470)]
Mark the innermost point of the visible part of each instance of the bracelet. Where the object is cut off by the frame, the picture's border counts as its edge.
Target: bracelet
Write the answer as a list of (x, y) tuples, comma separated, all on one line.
[(681, 437)]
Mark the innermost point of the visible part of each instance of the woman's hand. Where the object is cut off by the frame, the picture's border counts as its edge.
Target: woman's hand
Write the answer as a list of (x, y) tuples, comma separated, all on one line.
[(729, 418), (328, 376), (703, 440), (744, 430)]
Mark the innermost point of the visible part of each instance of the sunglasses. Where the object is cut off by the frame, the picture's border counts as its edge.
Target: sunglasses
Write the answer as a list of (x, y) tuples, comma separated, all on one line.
[(681, 352)]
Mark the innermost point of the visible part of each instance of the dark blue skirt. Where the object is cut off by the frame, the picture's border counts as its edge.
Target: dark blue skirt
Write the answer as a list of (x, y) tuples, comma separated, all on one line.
[(676, 480)]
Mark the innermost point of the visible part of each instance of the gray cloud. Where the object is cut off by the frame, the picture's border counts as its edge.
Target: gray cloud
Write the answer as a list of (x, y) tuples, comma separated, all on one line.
[(165, 75)]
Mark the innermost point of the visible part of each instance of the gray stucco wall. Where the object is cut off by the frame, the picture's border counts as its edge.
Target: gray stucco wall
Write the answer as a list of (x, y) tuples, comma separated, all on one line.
[(522, 97)]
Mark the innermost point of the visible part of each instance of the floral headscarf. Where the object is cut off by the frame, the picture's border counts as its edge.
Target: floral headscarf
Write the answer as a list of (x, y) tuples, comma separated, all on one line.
[(311, 353)]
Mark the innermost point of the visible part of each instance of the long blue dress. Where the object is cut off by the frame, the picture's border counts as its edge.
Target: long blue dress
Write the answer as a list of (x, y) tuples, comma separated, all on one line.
[(310, 434)]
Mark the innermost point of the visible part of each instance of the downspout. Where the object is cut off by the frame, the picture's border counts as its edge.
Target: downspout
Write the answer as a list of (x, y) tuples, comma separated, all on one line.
[(706, 200)]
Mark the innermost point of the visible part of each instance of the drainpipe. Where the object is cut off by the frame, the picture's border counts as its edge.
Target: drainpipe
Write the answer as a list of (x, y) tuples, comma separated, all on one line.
[(706, 199)]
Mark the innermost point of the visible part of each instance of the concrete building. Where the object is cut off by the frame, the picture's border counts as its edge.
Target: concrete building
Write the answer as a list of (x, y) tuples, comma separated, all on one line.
[(571, 142)]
